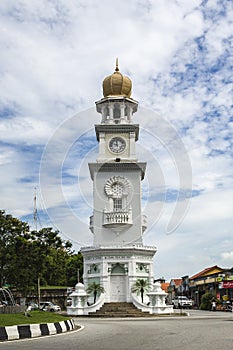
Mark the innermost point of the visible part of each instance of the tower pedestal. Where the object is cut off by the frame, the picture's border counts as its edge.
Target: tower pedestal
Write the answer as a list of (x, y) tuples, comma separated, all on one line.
[(117, 268)]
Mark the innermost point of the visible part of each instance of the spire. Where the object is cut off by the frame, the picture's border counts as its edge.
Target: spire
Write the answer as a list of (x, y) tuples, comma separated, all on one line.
[(117, 68)]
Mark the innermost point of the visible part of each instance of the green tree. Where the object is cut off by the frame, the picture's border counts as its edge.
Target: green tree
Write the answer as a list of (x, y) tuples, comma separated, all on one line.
[(13, 233), (26, 257), (96, 289), (74, 269), (23, 269), (140, 287), (51, 254)]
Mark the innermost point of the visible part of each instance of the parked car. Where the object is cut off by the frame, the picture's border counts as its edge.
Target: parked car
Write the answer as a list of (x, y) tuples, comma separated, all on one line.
[(33, 305), (182, 302), (68, 301), (48, 306)]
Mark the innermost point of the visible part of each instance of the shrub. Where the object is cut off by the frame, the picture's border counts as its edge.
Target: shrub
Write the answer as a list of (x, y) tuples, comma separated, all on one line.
[(206, 301)]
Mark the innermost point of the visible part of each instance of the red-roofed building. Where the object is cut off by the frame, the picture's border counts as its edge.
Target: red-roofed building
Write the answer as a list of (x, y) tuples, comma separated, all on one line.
[(165, 286), (173, 288), (177, 282), (214, 280), (209, 271)]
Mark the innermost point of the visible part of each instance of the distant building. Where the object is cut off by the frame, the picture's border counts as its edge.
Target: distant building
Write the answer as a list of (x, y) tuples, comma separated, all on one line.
[(173, 288), (214, 280), (165, 286)]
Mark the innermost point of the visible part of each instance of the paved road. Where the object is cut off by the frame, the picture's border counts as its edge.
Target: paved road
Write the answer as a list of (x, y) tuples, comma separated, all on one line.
[(200, 331)]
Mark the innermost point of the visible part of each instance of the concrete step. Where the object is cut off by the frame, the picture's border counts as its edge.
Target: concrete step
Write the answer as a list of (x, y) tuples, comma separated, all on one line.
[(119, 310), (117, 315)]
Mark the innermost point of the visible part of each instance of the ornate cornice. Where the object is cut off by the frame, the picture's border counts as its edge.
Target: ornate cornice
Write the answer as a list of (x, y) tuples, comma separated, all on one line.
[(117, 129), (119, 249), (117, 166)]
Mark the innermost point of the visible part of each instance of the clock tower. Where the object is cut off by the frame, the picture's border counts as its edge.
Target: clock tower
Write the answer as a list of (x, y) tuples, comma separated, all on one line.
[(118, 257)]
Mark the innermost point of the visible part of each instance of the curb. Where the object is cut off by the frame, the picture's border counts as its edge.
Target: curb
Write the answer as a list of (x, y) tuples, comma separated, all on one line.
[(35, 330)]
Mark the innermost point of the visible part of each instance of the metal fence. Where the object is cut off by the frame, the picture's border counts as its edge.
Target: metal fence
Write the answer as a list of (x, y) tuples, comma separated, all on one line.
[(16, 309)]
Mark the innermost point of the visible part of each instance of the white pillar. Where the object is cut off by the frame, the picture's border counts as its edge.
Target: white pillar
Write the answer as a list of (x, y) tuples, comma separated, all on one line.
[(122, 107), (111, 113)]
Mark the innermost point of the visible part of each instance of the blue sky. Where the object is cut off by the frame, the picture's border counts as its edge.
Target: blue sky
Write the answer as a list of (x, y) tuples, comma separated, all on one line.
[(178, 54)]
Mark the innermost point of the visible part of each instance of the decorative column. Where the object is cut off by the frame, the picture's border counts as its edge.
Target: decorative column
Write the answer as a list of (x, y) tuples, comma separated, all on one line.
[(79, 300), (157, 300)]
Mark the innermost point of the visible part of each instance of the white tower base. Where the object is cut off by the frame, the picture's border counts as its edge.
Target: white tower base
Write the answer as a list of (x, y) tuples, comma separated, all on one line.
[(116, 268)]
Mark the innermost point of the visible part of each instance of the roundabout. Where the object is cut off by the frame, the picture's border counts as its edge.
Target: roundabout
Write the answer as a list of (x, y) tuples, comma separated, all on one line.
[(201, 330)]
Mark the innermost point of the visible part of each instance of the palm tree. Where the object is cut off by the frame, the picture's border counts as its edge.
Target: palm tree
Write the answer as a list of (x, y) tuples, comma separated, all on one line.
[(140, 287), (95, 288)]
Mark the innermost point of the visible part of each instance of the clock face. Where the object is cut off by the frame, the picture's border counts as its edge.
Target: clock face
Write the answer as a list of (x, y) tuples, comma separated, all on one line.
[(117, 144)]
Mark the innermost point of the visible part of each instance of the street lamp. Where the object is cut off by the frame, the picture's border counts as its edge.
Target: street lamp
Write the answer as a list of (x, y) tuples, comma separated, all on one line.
[(173, 287), (197, 298), (181, 290)]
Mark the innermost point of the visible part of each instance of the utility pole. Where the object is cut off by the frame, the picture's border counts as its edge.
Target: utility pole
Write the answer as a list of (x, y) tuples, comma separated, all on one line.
[(35, 228), (38, 288), (35, 212)]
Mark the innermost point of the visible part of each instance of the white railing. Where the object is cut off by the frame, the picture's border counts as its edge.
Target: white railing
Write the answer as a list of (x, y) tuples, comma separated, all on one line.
[(85, 310), (120, 246), (139, 305), (166, 309), (99, 303), (118, 217)]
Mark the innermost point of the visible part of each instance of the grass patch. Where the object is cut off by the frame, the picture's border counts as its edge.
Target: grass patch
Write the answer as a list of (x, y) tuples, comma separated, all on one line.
[(36, 317)]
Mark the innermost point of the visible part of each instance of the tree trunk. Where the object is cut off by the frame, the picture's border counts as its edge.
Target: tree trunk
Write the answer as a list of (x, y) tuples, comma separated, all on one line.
[(142, 292), (95, 295)]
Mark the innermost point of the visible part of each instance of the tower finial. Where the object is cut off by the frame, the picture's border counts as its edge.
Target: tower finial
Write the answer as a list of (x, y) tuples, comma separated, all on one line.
[(117, 68)]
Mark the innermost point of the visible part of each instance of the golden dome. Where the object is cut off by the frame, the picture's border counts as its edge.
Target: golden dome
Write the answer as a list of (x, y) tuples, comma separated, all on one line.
[(117, 84)]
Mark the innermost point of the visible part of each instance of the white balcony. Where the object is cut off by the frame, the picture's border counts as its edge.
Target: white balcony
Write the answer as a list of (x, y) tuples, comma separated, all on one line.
[(117, 220)]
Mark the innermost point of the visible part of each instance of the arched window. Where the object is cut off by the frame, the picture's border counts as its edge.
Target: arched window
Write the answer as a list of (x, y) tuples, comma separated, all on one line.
[(117, 189), (117, 204)]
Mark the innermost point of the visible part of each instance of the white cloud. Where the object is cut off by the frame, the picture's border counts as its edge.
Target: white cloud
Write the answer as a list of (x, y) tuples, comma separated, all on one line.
[(24, 130), (227, 256)]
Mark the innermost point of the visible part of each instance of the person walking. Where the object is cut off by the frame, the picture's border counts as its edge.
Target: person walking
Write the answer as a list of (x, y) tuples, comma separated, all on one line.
[(213, 305)]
